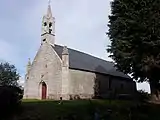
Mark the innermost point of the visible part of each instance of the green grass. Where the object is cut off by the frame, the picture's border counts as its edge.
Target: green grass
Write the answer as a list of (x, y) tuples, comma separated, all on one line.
[(84, 110)]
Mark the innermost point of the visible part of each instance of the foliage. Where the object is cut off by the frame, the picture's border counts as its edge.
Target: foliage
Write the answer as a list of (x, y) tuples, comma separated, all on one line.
[(11, 97), (8, 75), (10, 92), (142, 96), (135, 38)]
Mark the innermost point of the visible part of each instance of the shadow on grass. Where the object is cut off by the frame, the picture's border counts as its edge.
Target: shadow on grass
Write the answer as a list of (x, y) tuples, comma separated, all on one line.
[(85, 110)]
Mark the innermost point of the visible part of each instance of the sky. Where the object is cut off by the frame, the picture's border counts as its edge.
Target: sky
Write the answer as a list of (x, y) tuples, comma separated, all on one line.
[(80, 24)]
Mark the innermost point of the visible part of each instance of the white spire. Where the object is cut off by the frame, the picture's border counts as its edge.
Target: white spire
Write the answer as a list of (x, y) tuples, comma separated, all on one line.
[(48, 26), (49, 2), (49, 11)]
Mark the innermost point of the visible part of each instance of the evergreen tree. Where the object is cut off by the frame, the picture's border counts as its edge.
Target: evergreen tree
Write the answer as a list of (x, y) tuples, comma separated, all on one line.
[(8, 75), (134, 31)]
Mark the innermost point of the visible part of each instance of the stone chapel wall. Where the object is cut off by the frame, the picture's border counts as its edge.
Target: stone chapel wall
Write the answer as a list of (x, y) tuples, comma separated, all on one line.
[(46, 67), (82, 84)]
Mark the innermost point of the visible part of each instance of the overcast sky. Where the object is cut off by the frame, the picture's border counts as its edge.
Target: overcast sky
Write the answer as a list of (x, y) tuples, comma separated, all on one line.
[(80, 24)]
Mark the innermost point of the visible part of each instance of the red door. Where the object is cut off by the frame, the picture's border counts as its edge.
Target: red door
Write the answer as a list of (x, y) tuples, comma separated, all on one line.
[(44, 91)]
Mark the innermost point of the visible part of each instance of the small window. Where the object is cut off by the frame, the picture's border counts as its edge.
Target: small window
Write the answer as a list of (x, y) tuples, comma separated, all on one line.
[(50, 24), (44, 40), (46, 66), (50, 31), (27, 77), (45, 24), (42, 76)]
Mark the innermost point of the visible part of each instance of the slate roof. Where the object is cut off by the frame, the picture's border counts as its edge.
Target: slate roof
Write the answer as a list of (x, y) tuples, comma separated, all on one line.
[(86, 62)]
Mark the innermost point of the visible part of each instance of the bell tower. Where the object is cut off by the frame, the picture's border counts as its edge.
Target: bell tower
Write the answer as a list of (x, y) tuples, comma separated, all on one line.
[(48, 27)]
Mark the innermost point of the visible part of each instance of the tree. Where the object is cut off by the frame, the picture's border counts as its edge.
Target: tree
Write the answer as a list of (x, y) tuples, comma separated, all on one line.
[(134, 31), (8, 75), (10, 92)]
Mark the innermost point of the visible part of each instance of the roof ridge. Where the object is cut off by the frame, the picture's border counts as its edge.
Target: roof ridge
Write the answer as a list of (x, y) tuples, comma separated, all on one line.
[(85, 61), (86, 54)]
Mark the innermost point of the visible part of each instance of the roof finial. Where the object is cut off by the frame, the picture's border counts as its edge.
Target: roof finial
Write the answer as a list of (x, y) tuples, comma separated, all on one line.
[(49, 2), (65, 50), (28, 65), (29, 61)]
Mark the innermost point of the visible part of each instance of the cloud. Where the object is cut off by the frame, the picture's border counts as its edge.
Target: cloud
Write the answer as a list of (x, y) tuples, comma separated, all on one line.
[(80, 24)]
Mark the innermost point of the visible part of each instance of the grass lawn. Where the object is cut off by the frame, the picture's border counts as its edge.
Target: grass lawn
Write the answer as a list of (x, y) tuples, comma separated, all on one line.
[(84, 110)]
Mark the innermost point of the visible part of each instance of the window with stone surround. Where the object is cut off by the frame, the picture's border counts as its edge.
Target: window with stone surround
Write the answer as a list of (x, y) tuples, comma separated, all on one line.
[(50, 24)]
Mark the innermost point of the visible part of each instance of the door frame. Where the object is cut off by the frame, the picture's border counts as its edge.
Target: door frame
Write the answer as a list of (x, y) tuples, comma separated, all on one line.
[(41, 85)]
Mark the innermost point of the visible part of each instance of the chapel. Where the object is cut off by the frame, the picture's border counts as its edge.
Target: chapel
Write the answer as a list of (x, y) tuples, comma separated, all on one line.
[(61, 72)]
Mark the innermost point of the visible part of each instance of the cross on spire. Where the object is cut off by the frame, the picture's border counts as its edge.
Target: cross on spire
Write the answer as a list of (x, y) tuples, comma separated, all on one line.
[(49, 2)]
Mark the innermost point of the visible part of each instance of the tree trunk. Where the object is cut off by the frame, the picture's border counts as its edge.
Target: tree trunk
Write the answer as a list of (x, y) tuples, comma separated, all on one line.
[(155, 93)]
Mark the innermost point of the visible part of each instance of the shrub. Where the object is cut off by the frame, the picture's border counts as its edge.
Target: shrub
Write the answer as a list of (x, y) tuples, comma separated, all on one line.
[(125, 97), (10, 99), (142, 96)]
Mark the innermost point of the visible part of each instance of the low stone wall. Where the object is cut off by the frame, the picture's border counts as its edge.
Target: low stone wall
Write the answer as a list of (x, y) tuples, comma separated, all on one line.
[(70, 96), (80, 96)]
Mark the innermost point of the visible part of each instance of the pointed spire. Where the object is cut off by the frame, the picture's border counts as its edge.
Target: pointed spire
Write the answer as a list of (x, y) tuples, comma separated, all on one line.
[(49, 11), (29, 62), (28, 65)]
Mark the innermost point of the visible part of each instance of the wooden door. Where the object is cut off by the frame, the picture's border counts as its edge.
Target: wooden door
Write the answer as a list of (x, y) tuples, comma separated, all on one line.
[(44, 91)]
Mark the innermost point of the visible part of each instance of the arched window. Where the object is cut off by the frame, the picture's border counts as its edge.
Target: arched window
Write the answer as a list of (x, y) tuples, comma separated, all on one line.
[(45, 24), (50, 24), (50, 31)]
